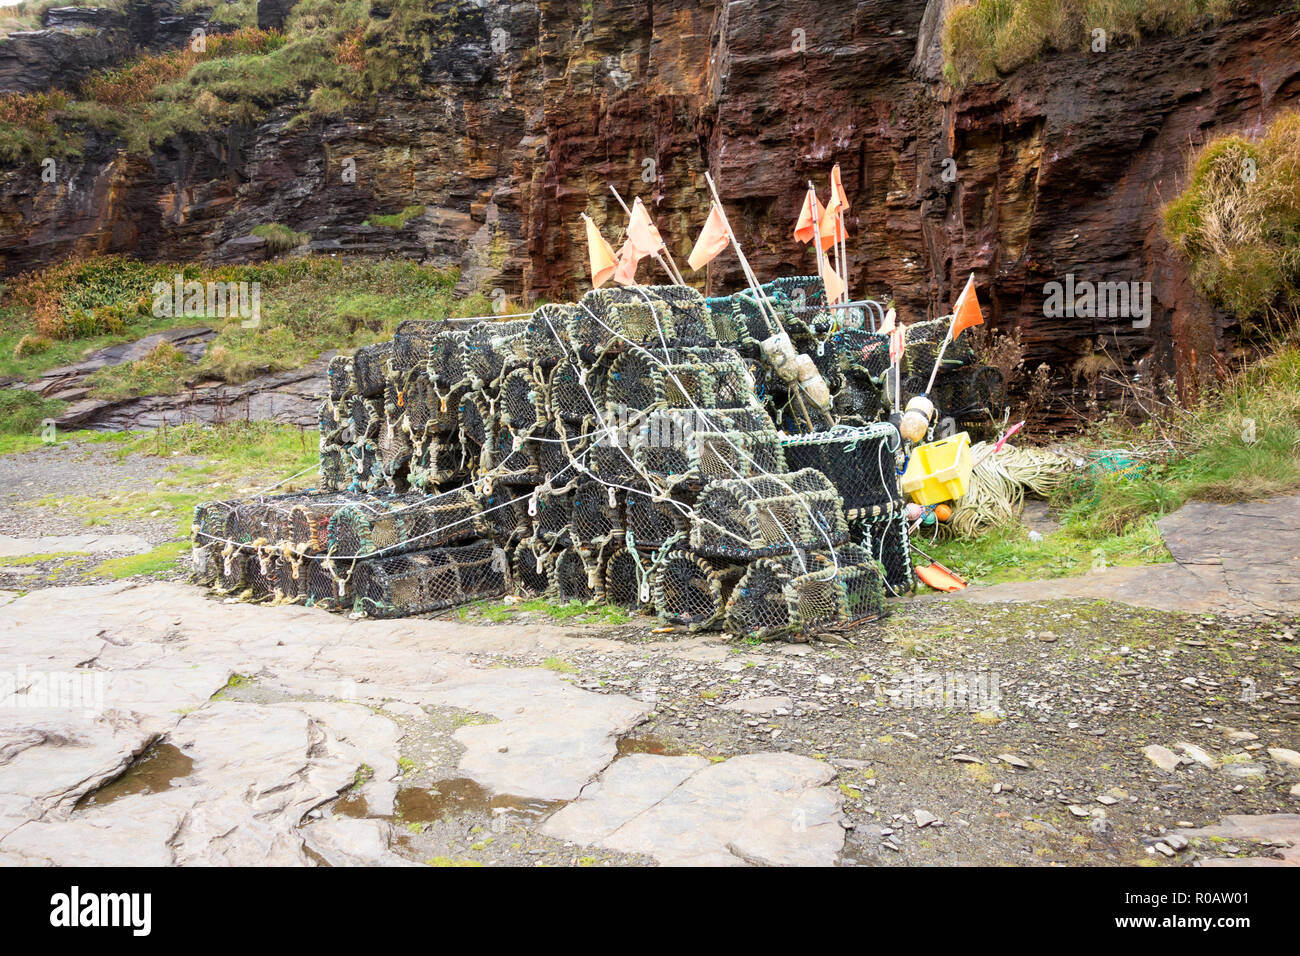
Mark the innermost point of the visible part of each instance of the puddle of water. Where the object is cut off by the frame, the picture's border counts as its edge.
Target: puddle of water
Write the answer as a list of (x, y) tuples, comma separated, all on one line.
[(152, 772), (648, 744), (449, 798)]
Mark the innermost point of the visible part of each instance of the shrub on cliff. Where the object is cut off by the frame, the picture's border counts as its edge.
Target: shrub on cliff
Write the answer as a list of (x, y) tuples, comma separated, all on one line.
[(982, 38), (1238, 223)]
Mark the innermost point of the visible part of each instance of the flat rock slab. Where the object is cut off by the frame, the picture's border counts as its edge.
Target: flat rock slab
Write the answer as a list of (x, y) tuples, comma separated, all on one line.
[(768, 809), (550, 740), (1275, 828), (759, 706), (148, 658), (1233, 559), (73, 544)]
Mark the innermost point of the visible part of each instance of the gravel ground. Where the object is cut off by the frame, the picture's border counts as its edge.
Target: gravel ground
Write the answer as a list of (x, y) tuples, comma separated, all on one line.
[(987, 734)]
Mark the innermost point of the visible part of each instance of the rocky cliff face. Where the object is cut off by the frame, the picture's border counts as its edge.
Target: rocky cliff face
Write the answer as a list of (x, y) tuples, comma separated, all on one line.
[(75, 41), (533, 108)]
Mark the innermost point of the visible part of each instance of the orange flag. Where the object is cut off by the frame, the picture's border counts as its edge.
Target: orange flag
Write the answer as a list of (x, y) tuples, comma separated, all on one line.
[(642, 233), (628, 259), (809, 215), (837, 189), (601, 253), (834, 284), (713, 239), (967, 310)]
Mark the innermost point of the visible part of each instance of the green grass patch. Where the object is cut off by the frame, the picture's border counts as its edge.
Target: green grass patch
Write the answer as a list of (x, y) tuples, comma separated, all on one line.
[(21, 414), (559, 665), (1007, 554), (1237, 221), (162, 560), (985, 38), (279, 237), (397, 220), (26, 560)]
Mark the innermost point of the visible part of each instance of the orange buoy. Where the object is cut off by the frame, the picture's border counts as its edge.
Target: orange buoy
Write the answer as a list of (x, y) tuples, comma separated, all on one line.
[(942, 512)]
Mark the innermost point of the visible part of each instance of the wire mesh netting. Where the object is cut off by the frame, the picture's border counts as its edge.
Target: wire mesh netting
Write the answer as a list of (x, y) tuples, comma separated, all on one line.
[(621, 449)]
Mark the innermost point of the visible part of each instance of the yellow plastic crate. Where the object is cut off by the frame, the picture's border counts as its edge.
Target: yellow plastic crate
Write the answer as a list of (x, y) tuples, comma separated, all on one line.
[(939, 471)]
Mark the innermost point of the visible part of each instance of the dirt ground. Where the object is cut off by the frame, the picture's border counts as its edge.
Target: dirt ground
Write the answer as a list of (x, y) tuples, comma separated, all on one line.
[(1025, 732)]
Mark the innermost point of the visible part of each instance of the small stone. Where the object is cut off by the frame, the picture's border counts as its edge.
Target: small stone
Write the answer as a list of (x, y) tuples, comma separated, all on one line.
[(966, 758), (1295, 791), (1176, 842), (1079, 811), (1199, 755), (1165, 849), (1245, 770), (1015, 761), (1047, 637), (924, 818), (1107, 800), (1282, 755), (1162, 757)]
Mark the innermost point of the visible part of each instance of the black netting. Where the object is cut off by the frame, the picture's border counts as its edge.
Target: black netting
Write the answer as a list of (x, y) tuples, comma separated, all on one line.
[(411, 343), (691, 590), (430, 580), (861, 463), (544, 336), (654, 520), (626, 578), (342, 379), (746, 518), (370, 367), (533, 563), (577, 575), (885, 537), (596, 512)]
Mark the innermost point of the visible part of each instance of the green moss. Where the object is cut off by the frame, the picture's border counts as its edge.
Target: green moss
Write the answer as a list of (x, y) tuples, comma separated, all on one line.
[(559, 665), (397, 220), (164, 559), (279, 237)]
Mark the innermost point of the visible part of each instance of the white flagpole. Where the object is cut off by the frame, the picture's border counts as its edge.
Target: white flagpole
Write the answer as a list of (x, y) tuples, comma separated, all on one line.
[(970, 284), (763, 303)]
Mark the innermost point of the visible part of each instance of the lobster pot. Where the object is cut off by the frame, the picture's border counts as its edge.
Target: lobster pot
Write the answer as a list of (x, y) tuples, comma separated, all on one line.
[(370, 368), (748, 314), (863, 355), (744, 519), (612, 459), (403, 523), (533, 565), (477, 421), (394, 446), (437, 463), (573, 391), (232, 570), (411, 343), (318, 587), (728, 328), (691, 590), (329, 421), (250, 522), (609, 320), (836, 593), (921, 344), (975, 395), (596, 513), (554, 463), (885, 537), (366, 416), (543, 340), (342, 380), (513, 458), (490, 348), (861, 463), (757, 606), (806, 594), (642, 379), (626, 580), (858, 402), (205, 562), (505, 514), (552, 513), (799, 291), (261, 575), (681, 444), (335, 467), (289, 584), (306, 529), (523, 402), (419, 401), (577, 575), (424, 581), (446, 365), (210, 521), (653, 520)]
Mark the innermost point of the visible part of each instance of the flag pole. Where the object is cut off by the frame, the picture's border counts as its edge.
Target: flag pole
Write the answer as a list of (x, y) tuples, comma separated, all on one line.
[(970, 283), (676, 279), (817, 240), (764, 304)]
